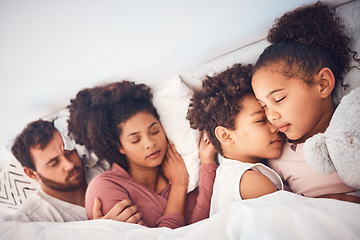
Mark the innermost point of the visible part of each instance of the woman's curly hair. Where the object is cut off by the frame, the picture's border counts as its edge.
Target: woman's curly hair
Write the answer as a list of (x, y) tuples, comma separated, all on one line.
[(218, 102), (307, 40), (95, 115)]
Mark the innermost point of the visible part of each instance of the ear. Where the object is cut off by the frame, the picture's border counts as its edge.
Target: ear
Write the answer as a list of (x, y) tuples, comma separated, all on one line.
[(31, 173), (223, 135), (121, 150), (326, 82)]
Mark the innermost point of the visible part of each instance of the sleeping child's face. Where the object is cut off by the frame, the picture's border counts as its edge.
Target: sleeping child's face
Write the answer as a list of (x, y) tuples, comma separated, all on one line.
[(254, 137)]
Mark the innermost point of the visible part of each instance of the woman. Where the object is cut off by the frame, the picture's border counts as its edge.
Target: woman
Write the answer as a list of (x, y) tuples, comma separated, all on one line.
[(119, 123)]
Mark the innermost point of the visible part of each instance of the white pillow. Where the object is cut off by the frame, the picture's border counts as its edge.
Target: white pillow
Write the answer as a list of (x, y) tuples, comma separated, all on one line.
[(247, 54), (15, 186), (171, 99)]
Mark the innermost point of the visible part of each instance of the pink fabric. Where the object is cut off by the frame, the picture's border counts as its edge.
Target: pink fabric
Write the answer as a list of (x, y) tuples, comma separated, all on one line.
[(116, 185), (292, 167)]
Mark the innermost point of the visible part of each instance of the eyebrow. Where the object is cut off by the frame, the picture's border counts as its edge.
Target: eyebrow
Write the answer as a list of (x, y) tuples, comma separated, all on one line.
[(258, 112), (52, 160), (134, 133), (274, 91)]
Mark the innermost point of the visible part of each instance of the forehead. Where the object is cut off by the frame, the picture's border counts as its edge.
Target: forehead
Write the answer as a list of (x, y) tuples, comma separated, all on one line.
[(250, 108), (138, 122), (52, 149)]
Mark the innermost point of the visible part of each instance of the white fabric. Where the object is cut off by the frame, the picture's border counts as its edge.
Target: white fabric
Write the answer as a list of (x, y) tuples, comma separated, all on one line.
[(281, 215), (41, 207), (227, 181), (171, 100)]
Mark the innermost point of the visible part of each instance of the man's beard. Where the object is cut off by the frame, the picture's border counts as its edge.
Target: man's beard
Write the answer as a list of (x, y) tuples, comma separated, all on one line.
[(67, 186)]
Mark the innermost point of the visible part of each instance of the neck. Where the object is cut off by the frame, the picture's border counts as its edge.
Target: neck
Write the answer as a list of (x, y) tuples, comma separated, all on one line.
[(239, 157), (76, 196), (147, 177)]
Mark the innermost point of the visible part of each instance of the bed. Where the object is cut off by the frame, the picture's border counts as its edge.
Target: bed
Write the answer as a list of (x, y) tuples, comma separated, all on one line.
[(282, 215)]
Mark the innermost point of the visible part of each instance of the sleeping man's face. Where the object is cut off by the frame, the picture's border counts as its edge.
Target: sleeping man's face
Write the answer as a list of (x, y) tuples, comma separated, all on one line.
[(58, 169)]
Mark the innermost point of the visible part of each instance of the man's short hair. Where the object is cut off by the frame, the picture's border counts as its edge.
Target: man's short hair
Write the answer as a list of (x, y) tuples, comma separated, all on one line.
[(36, 134)]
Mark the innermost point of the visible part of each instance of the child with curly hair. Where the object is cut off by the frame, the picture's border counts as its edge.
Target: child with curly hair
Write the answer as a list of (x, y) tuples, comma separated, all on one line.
[(227, 110), (294, 80), (119, 123)]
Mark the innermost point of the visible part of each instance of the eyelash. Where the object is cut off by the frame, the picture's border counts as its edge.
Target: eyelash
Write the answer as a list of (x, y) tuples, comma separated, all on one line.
[(153, 133), (261, 121), (54, 163), (280, 99)]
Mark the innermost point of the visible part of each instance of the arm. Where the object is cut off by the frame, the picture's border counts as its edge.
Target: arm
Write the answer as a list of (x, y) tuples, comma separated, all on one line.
[(115, 203), (207, 177), (254, 184), (174, 170), (123, 211), (342, 197)]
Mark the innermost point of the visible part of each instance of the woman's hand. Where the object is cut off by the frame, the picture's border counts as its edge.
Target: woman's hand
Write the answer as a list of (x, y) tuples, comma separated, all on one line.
[(174, 168), (206, 149)]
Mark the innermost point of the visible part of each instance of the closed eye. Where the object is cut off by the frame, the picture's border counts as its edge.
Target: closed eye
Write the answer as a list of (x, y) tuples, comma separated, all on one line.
[(280, 99), (155, 132), (53, 162), (260, 121)]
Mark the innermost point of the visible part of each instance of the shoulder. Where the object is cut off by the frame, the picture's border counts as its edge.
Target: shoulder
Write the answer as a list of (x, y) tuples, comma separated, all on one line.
[(254, 184), (31, 209)]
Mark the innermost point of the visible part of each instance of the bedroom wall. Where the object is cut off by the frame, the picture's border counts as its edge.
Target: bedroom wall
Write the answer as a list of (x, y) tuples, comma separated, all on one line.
[(49, 50)]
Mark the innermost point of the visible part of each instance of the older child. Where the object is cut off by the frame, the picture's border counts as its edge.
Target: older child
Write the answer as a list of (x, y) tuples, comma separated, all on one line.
[(236, 125), (119, 123), (294, 79)]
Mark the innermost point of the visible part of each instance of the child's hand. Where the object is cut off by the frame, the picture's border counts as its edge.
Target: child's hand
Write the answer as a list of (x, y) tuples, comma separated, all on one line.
[(174, 168), (206, 149)]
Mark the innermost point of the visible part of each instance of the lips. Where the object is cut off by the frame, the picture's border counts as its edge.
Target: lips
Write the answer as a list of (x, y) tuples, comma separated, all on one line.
[(283, 128), (154, 155), (277, 141), (74, 173)]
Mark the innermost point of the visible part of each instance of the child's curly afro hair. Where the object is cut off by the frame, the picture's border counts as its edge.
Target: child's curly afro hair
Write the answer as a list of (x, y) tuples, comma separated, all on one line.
[(218, 102)]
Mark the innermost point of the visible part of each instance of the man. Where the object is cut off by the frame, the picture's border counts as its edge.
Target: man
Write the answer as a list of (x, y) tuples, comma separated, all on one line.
[(61, 198)]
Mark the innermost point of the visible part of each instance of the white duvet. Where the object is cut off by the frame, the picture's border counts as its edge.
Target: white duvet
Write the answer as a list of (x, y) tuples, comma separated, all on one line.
[(281, 215)]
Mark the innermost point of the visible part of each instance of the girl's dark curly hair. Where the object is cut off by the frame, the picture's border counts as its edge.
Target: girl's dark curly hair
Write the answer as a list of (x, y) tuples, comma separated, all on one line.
[(219, 100), (306, 40), (95, 115)]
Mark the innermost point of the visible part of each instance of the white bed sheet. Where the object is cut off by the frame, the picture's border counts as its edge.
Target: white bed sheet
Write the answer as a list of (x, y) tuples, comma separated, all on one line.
[(281, 215)]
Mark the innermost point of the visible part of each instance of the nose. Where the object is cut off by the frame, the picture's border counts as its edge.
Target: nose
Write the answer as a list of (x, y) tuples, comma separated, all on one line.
[(273, 128), (272, 115), (149, 142), (67, 164)]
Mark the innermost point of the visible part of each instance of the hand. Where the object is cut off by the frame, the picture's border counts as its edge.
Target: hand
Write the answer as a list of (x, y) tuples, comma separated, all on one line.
[(206, 149), (123, 211), (174, 168)]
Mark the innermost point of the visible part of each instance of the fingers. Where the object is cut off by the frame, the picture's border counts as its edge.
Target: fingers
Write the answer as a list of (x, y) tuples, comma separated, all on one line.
[(117, 209), (205, 137), (171, 152), (123, 211), (97, 214), (135, 218)]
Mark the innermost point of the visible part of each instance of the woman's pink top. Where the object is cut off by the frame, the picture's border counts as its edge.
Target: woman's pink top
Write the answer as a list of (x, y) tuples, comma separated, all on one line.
[(293, 168), (116, 184)]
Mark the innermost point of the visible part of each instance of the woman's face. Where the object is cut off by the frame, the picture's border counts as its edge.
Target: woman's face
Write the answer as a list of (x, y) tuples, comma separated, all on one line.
[(293, 106), (143, 141)]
